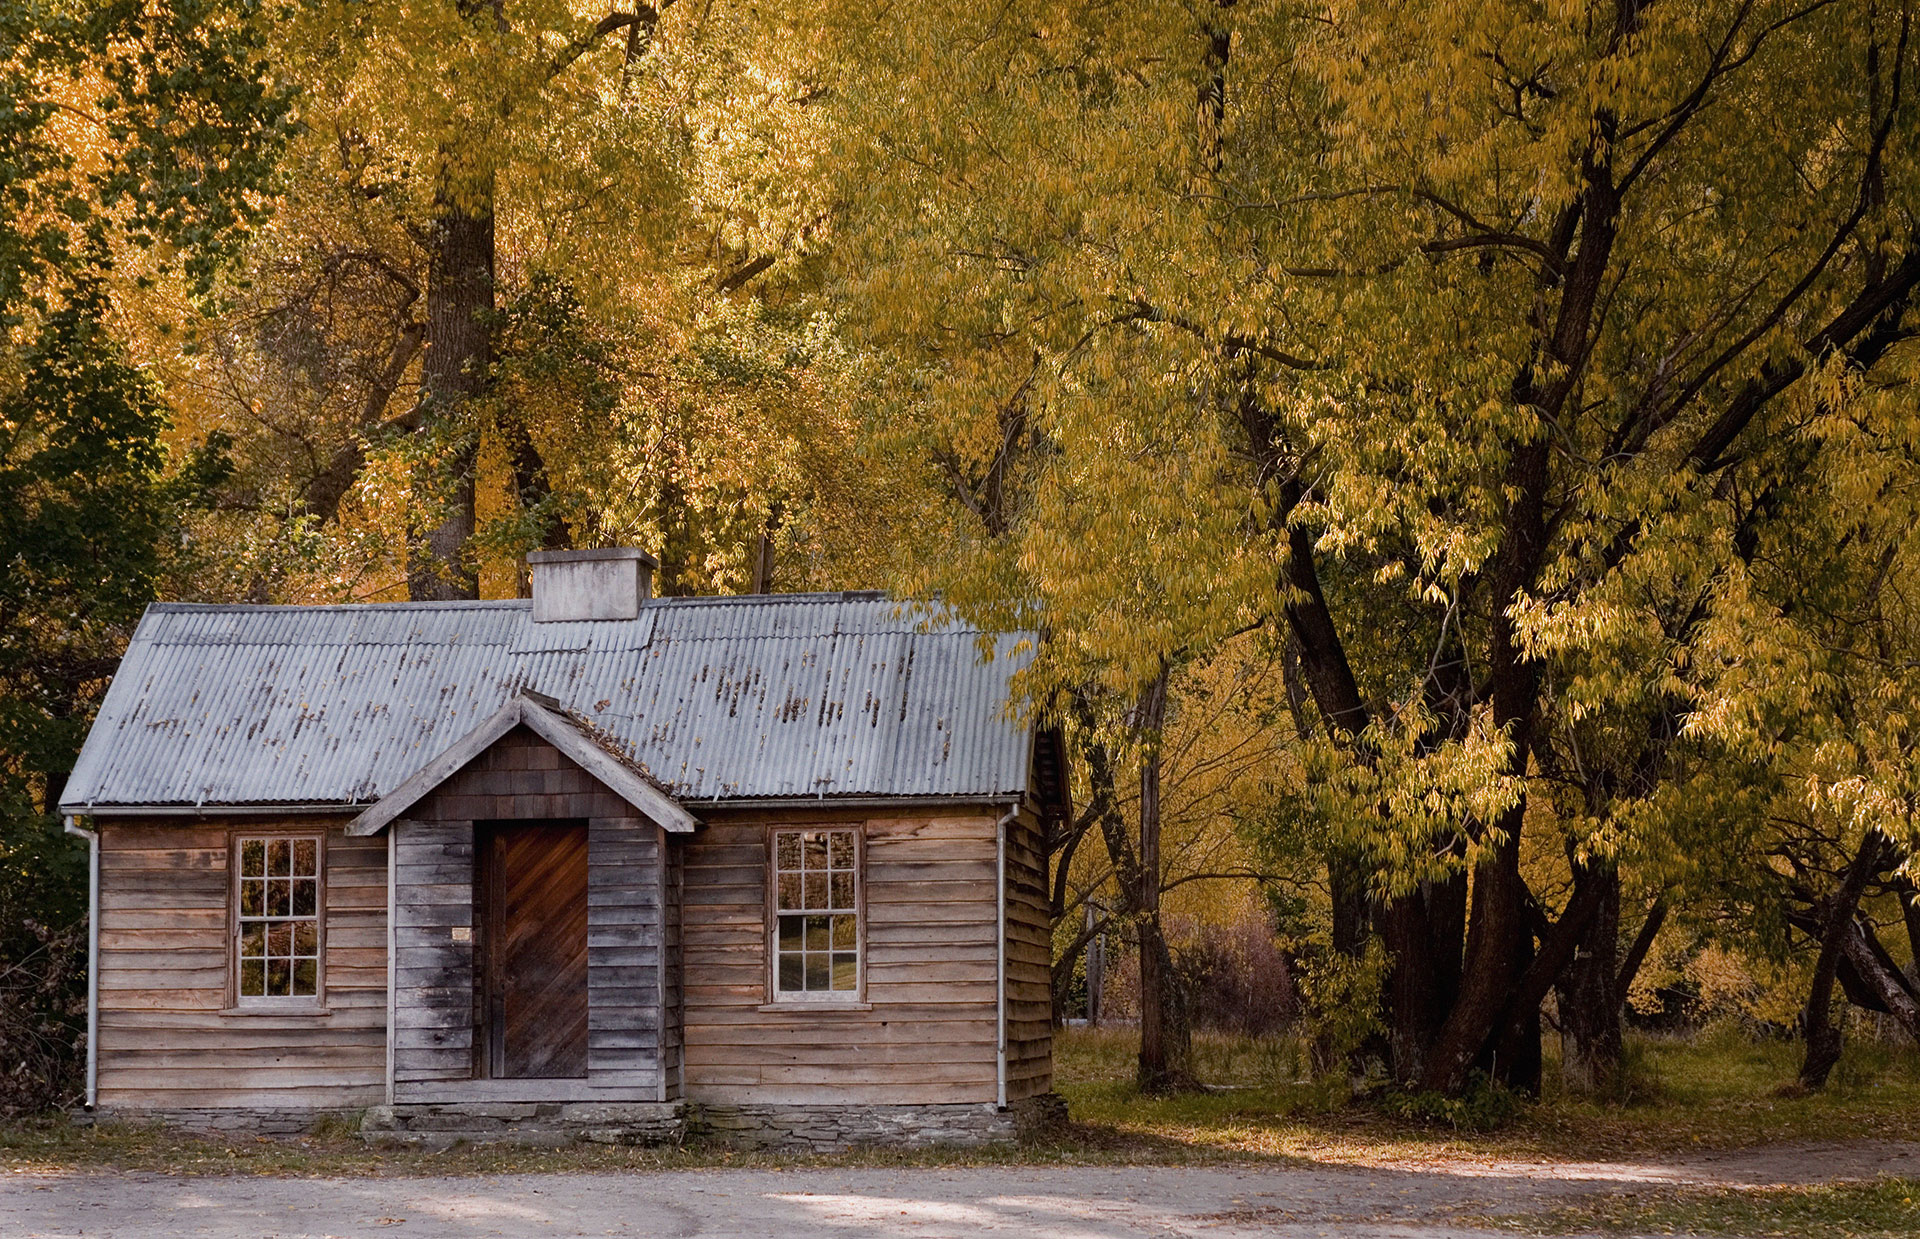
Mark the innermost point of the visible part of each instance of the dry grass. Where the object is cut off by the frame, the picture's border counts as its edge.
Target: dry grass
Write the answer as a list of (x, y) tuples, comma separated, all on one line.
[(1886, 1209), (1717, 1091)]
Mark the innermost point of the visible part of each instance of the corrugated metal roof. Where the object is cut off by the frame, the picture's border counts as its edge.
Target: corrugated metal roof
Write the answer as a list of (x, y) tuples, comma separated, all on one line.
[(718, 698)]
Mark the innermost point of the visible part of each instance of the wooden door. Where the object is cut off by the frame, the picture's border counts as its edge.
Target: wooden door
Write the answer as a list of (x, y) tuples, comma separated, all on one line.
[(534, 887)]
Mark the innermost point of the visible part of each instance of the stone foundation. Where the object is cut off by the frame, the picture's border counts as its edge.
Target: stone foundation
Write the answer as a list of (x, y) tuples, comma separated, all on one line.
[(817, 1129), (832, 1129), (236, 1121)]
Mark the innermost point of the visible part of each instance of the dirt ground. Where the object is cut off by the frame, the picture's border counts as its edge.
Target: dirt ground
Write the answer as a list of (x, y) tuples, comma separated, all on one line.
[(1404, 1201)]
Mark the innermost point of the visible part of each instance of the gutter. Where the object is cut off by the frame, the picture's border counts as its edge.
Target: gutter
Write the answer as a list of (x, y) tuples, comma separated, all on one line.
[(210, 810), (93, 956), (320, 808), (1000, 953)]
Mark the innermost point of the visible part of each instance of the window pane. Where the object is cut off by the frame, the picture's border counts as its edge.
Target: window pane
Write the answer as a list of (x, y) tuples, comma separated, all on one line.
[(253, 857), (305, 860), (253, 897), (280, 939), (306, 938), (279, 978), (304, 895), (306, 974), (814, 873), (279, 862), (253, 941), (279, 897), (253, 978)]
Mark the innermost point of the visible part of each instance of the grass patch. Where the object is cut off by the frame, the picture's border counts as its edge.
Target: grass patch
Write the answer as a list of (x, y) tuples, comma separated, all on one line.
[(1886, 1209), (1718, 1091)]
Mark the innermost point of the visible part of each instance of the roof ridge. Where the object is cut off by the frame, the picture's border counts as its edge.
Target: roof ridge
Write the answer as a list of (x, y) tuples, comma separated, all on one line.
[(469, 604)]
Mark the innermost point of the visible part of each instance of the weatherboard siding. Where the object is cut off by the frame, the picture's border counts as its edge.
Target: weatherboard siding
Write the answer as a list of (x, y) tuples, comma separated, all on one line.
[(929, 1033), (1029, 962), (169, 1039)]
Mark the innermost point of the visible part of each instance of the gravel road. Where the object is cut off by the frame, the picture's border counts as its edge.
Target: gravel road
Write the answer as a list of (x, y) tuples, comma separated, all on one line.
[(1273, 1202)]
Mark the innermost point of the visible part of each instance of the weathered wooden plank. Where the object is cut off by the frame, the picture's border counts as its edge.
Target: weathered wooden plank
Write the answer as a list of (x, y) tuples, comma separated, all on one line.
[(317, 1097), (193, 918), (160, 1028), (885, 934), (934, 1023), (418, 875), (905, 911), (890, 970), (622, 1019), (622, 956), (115, 899), (805, 1052), (311, 1057), (459, 1036), (636, 1038), (631, 936), (120, 963), (128, 863), (883, 870), (750, 1090), (607, 916), (445, 916), (975, 896), (249, 1077), (163, 999), (634, 989)]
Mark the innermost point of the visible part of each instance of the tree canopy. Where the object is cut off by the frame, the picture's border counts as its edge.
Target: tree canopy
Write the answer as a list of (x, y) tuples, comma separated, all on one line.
[(1458, 456)]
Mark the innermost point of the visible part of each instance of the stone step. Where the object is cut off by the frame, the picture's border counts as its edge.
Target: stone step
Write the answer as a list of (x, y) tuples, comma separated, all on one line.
[(545, 1125)]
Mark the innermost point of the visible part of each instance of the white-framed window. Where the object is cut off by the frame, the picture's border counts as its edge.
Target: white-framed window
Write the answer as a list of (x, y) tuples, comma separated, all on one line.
[(278, 895), (816, 938)]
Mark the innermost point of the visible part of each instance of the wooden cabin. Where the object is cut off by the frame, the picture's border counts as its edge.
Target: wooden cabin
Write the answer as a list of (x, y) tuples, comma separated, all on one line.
[(593, 864)]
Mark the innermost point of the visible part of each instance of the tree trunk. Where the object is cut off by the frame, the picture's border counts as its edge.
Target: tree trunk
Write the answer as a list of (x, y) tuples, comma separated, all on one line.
[(1166, 1038), (459, 356), (1822, 1031), (1513, 1055), (1910, 913), (1166, 1044), (1423, 933), (1890, 990), (1642, 943), (1590, 997), (763, 549)]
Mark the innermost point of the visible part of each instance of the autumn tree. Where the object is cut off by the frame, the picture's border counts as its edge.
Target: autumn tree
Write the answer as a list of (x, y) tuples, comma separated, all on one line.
[(137, 140), (561, 288), (1496, 334)]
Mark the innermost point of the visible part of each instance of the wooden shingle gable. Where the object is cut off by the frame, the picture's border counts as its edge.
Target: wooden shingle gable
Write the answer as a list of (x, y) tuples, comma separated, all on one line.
[(543, 716)]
